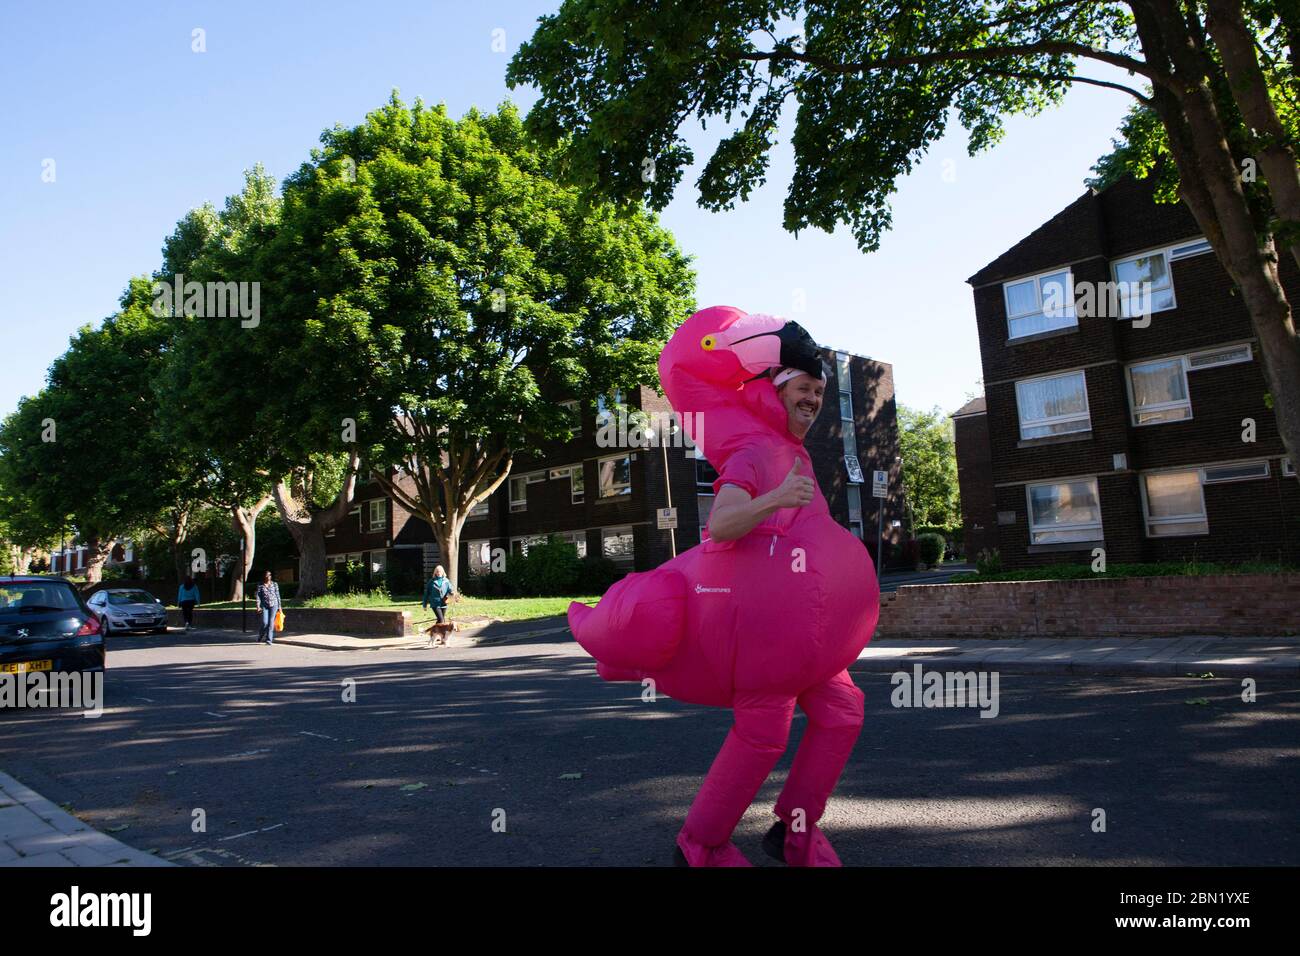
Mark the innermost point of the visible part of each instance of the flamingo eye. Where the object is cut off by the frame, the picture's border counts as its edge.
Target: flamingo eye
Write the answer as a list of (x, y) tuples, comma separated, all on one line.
[(708, 342)]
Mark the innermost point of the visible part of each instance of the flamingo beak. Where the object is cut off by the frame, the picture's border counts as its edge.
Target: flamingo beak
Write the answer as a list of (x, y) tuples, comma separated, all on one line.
[(755, 341)]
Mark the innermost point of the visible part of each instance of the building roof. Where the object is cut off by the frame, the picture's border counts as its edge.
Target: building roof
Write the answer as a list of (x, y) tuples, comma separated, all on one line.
[(976, 406)]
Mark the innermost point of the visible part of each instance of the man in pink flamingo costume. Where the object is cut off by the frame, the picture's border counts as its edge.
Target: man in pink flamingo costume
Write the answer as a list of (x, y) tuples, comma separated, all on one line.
[(769, 611)]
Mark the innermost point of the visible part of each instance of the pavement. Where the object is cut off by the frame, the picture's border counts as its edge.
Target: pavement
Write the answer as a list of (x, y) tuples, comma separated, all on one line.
[(35, 832)]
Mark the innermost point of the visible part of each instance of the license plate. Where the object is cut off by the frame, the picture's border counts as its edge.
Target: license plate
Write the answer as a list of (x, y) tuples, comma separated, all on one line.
[(21, 667)]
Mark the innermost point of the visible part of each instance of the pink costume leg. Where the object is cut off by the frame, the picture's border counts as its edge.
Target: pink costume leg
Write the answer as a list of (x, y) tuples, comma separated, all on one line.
[(752, 748), (834, 711)]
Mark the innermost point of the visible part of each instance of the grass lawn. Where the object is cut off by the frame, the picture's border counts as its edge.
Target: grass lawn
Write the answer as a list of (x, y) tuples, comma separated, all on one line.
[(505, 609)]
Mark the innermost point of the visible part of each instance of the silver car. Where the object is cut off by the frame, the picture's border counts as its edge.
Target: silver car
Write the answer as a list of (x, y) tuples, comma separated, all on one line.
[(128, 609)]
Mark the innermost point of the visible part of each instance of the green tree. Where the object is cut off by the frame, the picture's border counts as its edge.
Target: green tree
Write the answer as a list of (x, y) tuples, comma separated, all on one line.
[(210, 391), (929, 456), (877, 83), (490, 293), (85, 454)]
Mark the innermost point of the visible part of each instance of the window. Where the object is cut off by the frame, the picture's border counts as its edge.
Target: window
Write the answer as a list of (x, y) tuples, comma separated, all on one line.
[(1148, 284), (480, 510), (1057, 405), (1174, 503), (1158, 392), (843, 372), (376, 515), (1228, 356), (1196, 247), (705, 474), (521, 545), (480, 557), (605, 406), (576, 538), (576, 486), (1239, 471), (1288, 468), (1064, 511), (575, 415), (614, 476), (378, 562), (616, 544), (1040, 304), (518, 494)]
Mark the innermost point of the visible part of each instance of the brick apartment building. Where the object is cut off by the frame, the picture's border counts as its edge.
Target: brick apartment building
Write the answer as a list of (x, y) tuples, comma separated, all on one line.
[(975, 478), (606, 499), (1153, 442)]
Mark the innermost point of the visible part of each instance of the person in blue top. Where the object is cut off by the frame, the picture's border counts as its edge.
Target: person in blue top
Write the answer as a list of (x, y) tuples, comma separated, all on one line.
[(187, 596), (436, 591)]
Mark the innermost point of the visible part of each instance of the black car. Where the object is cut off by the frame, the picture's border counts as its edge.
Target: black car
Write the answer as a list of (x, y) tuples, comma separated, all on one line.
[(45, 626)]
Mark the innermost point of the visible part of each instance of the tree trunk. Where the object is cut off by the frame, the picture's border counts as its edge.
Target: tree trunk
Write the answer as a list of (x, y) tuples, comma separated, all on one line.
[(449, 541), (1211, 187), (97, 554), (244, 522), (308, 527)]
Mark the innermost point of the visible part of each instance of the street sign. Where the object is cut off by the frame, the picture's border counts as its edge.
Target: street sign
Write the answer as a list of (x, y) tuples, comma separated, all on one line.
[(854, 469), (667, 518), (880, 484)]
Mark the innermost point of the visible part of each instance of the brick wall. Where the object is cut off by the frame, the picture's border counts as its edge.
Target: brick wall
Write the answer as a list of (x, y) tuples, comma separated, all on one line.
[(975, 478), (1228, 605)]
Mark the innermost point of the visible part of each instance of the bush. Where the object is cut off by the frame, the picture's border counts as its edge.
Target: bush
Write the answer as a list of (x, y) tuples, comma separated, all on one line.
[(350, 578), (598, 573), (931, 547), (403, 579), (908, 553), (988, 562)]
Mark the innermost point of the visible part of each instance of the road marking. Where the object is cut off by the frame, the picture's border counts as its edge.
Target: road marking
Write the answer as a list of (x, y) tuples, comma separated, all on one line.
[(250, 833), (148, 699), (211, 714), (308, 733), (249, 753)]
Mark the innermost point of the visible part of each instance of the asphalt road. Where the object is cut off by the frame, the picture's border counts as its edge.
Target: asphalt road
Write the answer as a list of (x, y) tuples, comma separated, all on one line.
[(440, 742)]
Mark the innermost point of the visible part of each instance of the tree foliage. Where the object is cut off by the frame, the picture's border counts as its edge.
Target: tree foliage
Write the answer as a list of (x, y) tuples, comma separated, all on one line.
[(929, 456)]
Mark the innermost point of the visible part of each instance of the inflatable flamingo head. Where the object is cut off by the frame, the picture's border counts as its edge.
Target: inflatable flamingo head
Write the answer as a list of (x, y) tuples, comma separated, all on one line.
[(723, 346)]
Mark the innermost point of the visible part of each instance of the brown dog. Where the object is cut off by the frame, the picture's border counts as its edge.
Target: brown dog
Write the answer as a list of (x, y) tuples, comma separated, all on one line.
[(441, 630)]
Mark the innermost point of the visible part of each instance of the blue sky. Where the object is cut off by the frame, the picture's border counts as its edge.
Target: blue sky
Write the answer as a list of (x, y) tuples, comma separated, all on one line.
[(141, 129)]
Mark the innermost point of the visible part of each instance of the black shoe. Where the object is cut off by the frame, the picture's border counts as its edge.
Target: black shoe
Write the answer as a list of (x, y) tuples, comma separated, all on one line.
[(774, 841)]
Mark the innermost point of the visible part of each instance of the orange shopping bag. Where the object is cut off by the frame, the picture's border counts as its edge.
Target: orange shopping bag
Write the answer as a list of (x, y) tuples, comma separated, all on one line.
[(279, 620)]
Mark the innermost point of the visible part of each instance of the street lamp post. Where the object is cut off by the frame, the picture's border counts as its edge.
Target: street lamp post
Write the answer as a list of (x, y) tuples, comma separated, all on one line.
[(668, 484), (243, 587)]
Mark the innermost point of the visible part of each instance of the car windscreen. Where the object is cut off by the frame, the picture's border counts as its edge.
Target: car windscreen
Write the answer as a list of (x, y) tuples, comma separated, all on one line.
[(130, 597), (19, 597)]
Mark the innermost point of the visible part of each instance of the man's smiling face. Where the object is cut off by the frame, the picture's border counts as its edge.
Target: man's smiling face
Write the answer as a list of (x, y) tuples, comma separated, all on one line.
[(802, 397)]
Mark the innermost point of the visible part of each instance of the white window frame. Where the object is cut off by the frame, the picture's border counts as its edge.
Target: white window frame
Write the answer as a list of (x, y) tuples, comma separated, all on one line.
[(1159, 406), (1191, 356), (620, 489), (1206, 471), (1164, 253), (476, 547), (1189, 248), (1288, 469), (480, 510), (1148, 521), (518, 504), (371, 528), (1068, 318), (1085, 418), (576, 478), (1029, 511), (619, 530), (1186, 361)]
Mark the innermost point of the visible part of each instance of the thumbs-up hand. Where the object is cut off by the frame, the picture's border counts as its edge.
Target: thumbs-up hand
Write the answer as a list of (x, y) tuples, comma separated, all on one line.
[(796, 490)]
